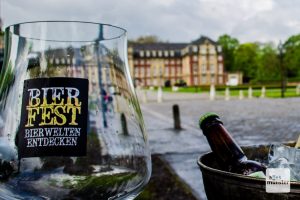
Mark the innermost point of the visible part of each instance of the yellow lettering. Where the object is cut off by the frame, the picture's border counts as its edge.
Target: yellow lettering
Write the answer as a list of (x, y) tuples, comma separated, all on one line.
[(46, 115), (60, 115), (76, 102), (31, 116), (73, 110)]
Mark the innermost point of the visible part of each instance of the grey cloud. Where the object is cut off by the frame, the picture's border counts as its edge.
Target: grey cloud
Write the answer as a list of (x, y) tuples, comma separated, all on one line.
[(172, 20)]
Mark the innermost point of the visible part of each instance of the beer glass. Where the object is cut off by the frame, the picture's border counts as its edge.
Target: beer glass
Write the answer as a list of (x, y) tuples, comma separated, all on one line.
[(70, 123)]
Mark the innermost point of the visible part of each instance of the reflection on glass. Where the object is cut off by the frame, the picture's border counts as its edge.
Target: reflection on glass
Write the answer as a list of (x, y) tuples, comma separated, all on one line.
[(116, 159)]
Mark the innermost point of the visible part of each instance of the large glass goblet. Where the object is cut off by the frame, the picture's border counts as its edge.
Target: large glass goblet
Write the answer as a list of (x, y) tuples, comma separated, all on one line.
[(70, 123)]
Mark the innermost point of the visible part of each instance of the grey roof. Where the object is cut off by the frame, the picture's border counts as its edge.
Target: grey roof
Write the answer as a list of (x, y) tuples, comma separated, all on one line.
[(169, 46), (158, 46), (202, 39)]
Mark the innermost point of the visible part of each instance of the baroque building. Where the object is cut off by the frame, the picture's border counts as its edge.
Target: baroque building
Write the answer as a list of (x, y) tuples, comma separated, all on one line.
[(164, 64)]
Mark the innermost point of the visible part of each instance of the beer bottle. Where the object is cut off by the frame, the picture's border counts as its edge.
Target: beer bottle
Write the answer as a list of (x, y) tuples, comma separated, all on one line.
[(229, 154)]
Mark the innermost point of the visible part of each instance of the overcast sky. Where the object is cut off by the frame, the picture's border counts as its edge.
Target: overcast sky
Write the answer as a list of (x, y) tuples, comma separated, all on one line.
[(172, 20)]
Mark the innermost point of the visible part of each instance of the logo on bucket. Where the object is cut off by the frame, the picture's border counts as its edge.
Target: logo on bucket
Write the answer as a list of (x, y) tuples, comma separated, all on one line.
[(278, 180)]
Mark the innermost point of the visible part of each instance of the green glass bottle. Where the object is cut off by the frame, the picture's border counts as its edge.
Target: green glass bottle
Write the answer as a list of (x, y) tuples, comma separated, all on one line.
[(229, 154)]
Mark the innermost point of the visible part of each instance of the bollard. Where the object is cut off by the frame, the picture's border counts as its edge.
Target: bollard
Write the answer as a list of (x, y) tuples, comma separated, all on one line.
[(145, 96), (212, 92), (227, 94), (250, 93), (298, 89), (159, 95), (176, 116), (241, 94), (263, 92), (124, 124)]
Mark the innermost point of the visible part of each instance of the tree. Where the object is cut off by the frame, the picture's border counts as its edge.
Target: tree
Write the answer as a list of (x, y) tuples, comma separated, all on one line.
[(292, 56), (268, 64), (229, 45), (246, 60)]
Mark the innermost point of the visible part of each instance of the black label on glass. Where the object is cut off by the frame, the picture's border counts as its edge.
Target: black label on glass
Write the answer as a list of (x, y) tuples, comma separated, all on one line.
[(53, 117)]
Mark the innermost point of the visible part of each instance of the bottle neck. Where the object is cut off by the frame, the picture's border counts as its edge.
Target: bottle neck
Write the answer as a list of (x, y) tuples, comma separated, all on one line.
[(222, 143)]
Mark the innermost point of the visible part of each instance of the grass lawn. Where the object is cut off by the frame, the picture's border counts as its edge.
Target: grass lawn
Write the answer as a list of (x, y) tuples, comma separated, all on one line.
[(272, 93)]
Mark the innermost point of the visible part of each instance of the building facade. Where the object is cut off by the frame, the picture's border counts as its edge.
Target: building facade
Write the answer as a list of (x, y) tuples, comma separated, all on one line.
[(164, 64)]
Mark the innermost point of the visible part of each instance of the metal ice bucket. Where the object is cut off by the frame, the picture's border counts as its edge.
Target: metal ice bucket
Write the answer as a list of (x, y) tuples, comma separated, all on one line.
[(222, 185)]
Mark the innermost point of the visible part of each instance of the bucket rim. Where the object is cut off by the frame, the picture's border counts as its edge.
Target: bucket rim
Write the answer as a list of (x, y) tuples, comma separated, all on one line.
[(204, 167)]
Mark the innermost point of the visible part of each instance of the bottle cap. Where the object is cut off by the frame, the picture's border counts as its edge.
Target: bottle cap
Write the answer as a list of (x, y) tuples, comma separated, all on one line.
[(203, 119)]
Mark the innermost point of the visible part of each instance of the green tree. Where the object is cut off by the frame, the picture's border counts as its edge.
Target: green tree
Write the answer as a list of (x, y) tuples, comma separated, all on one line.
[(229, 45), (246, 60), (268, 64), (292, 56)]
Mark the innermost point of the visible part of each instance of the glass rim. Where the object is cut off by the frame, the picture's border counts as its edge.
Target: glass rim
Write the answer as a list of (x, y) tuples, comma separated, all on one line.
[(122, 33)]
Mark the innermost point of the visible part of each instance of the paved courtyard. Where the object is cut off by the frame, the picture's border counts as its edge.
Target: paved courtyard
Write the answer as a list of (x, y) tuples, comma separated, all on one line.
[(250, 121)]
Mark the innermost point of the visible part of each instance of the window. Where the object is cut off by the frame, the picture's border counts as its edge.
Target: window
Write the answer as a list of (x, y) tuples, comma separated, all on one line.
[(142, 53), (203, 68), (148, 53), (220, 58), (203, 50), (172, 62), (166, 61), (195, 58), (212, 50), (212, 58), (160, 53), (212, 79), (173, 71), (195, 49), (148, 71), (179, 71), (166, 71), (62, 61), (136, 71), (148, 82), (178, 62), (142, 62), (154, 53), (220, 79), (219, 49), (68, 61), (220, 68), (195, 80), (56, 61), (166, 53), (203, 58), (142, 71), (195, 68), (203, 79), (172, 53), (154, 71), (212, 68)]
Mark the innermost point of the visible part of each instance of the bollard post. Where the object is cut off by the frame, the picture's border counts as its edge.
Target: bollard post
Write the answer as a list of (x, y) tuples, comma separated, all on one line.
[(241, 94), (176, 116), (212, 92), (298, 89), (263, 92), (250, 93), (124, 124), (159, 95), (227, 94), (145, 96)]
